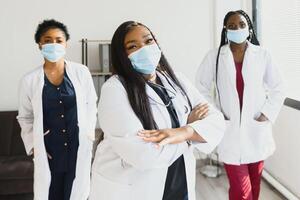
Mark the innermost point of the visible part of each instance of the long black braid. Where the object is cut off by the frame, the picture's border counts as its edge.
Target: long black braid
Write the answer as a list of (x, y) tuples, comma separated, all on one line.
[(251, 38)]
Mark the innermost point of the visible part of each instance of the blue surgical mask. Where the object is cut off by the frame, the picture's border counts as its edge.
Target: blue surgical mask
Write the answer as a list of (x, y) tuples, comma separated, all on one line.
[(238, 36), (146, 59), (53, 51)]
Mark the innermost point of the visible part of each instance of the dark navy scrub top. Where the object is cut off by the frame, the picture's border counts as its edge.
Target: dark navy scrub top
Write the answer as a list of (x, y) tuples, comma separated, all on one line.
[(60, 124), (175, 185)]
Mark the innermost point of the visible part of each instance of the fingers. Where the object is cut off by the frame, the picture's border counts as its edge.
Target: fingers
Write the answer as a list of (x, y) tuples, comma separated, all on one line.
[(201, 108), (152, 135), (155, 139), (204, 115), (201, 105), (49, 156), (148, 133), (47, 132), (199, 112)]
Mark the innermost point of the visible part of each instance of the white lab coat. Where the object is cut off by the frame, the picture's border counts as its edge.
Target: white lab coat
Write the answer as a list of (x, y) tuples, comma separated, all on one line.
[(126, 167), (246, 140), (31, 121)]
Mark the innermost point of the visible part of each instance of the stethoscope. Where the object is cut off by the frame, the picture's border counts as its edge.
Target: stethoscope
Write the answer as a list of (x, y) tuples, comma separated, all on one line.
[(173, 94)]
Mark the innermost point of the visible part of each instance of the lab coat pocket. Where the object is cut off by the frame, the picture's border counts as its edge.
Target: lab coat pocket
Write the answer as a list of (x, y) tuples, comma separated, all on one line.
[(227, 124), (110, 190), (90, 145), (261, 123), (124, 164), (260, 133), (258, 126)]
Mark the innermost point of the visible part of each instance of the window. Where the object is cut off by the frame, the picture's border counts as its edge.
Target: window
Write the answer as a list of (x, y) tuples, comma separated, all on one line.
[(278, 24)]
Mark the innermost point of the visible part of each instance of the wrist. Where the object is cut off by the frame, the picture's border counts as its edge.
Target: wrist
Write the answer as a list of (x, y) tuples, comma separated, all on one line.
[(189, 132)]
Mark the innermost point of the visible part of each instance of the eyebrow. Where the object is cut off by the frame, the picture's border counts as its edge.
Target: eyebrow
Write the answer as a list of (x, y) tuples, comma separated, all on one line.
[(132, 41), (232, 23), (51, 37)]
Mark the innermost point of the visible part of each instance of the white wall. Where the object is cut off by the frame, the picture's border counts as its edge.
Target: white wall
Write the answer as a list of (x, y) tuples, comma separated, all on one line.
[(279, 36), (284, 164), (183, 29)]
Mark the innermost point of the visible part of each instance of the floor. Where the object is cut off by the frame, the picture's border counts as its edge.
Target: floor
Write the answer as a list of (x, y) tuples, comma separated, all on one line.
[(206, 189), (217, 188)]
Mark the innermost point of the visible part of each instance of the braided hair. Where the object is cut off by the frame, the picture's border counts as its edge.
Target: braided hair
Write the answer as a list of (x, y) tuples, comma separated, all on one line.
[(251, 38)]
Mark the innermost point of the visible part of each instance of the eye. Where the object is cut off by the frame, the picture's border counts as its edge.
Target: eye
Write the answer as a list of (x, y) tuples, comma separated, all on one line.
[(243, 25), (59, 41), (149, 41), (232, 27), (131, 47)]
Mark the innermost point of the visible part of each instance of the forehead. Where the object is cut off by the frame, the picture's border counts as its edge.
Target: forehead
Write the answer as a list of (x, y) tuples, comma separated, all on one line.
[(53, 32), (136, 33), (236, 19)]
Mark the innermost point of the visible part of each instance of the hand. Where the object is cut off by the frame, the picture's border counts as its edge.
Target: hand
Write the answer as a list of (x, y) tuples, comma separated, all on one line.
[(32, 154), (262, 118), (49, 156), (198, 113), (167, 136)]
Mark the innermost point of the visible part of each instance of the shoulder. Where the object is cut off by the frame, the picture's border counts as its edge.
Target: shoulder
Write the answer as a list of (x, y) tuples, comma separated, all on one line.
[(113, 92), (32, 75), (182, 78), (113, 82), (211, 54), (259, 49), (210, 57)]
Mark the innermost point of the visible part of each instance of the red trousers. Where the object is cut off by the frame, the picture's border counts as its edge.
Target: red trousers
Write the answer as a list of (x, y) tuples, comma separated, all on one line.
[(244, 180)]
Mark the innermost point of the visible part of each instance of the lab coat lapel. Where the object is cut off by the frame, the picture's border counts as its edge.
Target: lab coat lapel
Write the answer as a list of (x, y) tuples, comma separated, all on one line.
[(71, 74), (179, 101), (249, 70), (82, 166), (226, 60), (42, 175), (156, 102)]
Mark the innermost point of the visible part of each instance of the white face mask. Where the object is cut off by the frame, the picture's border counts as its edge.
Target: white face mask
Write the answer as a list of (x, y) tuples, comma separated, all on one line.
[(238, 36), (53, 51), (146, 59)]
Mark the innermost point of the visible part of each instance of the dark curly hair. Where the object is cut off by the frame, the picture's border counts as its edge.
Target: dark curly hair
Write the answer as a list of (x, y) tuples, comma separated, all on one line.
[(44, 26)]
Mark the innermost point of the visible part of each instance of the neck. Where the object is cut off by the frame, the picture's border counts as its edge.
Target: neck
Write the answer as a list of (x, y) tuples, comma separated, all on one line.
[(54, 66), (150, 77), (238, 47)]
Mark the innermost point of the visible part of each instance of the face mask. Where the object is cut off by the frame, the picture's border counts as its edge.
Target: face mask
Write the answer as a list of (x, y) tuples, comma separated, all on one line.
[(146, 59), (238, 36), (53, 51)]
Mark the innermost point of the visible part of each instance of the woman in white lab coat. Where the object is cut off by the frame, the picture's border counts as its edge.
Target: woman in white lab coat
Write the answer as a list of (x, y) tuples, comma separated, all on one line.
[(249, 93), (57, 115), (149, 136)]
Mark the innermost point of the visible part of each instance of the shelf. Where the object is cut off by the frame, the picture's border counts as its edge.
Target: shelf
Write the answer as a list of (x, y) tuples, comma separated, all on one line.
[(97, 41), (99, 73)]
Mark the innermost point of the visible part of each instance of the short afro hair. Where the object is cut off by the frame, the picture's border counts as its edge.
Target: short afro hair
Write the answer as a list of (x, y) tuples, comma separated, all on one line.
[(44, 26)]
